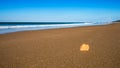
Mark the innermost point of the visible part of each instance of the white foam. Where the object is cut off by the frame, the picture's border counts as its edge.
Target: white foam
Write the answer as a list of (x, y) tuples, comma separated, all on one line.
[(15, 28), (33, 26)]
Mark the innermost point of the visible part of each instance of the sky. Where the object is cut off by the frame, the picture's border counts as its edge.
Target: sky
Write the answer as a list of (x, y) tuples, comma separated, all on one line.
[(59, 10)]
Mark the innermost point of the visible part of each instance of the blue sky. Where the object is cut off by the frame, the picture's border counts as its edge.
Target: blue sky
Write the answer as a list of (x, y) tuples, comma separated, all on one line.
[(59, 10)]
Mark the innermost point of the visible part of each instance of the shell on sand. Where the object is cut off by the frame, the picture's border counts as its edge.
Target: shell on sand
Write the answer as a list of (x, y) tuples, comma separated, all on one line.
[(84, 47)]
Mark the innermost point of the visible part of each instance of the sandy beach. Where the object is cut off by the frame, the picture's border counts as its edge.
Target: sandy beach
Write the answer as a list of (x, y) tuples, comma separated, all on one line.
[(60, 48)]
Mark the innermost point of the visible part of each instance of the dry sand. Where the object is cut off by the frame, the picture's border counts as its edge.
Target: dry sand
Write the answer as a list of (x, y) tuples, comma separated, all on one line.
[(60, 48)]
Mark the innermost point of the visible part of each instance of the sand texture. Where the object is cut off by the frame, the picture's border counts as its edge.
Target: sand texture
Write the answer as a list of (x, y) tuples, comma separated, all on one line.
[(60, 48)]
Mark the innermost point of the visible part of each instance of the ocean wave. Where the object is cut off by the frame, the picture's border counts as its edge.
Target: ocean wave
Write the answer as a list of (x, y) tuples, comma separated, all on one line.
[(33, 26), (15, 28)]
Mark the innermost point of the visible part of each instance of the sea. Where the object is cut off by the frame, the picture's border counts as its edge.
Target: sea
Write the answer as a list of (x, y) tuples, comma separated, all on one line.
[(9, 27)]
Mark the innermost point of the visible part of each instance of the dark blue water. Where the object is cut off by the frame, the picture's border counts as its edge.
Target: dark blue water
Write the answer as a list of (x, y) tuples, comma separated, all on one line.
[(8, 27)]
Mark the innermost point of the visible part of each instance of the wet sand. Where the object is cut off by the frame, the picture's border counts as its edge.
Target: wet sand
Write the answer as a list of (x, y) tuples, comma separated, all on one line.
[(60, 48)]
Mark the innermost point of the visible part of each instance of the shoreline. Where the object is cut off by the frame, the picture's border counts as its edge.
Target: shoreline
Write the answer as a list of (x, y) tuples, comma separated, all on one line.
[(32, 28)]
